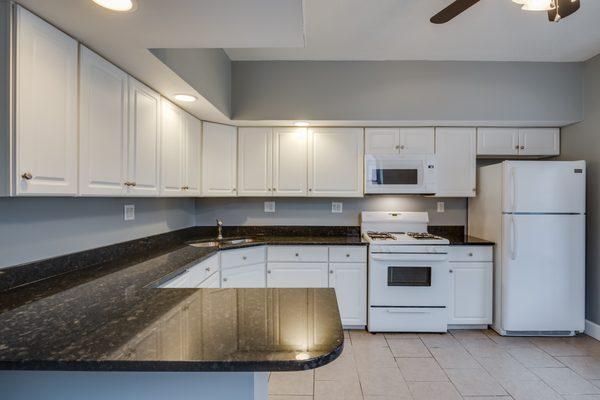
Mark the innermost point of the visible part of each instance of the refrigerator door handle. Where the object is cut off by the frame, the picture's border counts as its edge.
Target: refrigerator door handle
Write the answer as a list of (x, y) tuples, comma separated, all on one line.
[(513, 238), (513, 176)]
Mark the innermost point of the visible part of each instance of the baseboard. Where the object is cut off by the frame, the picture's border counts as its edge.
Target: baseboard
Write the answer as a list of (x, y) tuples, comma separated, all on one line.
[(592, 329)]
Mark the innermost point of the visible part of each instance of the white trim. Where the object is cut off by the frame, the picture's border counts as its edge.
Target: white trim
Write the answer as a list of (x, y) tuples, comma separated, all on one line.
[(592, 329)]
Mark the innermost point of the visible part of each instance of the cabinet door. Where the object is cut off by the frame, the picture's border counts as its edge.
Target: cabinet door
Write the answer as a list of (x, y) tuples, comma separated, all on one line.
[(382, 140), (172, 144), (456, 160), (46, 109), (497, 141), (246, 276), (219, 159), (255, 162), (192, 134), (417, 141), (144, 140), (470, 293), (297, 275), (290, 153), (350, 283), (539, 141), (102, 127), (335, 162)]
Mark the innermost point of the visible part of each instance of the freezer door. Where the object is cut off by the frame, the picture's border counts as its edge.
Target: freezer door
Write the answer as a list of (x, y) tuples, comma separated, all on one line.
[(543, 187), (543, 272)]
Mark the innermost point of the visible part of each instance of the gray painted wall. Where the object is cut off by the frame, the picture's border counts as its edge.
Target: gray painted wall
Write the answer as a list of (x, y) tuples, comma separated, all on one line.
[(407, 90), (206, 70), (312, 211), (38, 228), (582, 141)]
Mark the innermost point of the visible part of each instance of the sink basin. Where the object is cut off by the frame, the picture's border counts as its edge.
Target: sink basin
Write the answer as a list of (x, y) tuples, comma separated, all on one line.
[(224, 242)]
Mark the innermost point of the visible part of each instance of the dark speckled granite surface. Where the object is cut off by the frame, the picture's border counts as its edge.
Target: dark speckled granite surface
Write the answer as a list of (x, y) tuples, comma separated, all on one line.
[(456, 235), (108, 316)]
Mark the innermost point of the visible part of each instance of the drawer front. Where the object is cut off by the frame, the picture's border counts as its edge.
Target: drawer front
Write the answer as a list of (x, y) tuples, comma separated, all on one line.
[(297, 275), (471, 253), (388, 319), (298, 253), (356, 254), (246, 256), (204, 268)]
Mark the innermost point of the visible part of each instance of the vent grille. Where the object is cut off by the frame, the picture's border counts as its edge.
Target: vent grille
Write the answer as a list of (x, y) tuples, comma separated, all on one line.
[(540, 333)]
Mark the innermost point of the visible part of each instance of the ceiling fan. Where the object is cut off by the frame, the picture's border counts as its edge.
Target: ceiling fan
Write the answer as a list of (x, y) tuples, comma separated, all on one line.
[(557, 9)]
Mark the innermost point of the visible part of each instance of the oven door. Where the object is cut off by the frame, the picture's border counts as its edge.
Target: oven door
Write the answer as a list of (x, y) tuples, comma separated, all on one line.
[(391, 174), (408, 283)]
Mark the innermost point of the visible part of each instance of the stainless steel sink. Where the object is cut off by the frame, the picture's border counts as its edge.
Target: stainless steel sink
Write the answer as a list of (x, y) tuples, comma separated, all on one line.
[(205, 244), (224, 242), (238, 241)]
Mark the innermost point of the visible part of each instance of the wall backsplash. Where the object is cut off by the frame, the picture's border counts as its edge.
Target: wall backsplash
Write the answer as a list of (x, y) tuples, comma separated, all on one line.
[(317, 211)]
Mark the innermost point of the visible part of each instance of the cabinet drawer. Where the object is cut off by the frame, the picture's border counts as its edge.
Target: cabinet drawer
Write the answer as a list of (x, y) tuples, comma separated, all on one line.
[(388, 319), (195, 274), (298, 253), (348, 254), (297, 275), (470, 253), (247, 256)]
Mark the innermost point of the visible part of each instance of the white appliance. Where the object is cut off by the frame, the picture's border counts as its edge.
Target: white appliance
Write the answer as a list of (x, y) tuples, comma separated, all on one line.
[(535, 213), (408, 273), (394, 174)]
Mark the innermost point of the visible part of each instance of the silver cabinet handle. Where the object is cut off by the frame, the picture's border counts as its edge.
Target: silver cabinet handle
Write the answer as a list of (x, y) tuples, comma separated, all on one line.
[(517, 147), (27, 176), (244, 257), (402, 147), (270, 189), (310, 190), (522, 147), (296, 254), (347, 255), (268, 271), (470, 254), (224, 279), (185, 187), (451, 271), (397, 147), (331, 271), (207, 269)]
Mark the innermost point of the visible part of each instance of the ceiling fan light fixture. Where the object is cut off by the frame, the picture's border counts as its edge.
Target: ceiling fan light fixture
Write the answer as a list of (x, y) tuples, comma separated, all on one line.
[(538, 5)]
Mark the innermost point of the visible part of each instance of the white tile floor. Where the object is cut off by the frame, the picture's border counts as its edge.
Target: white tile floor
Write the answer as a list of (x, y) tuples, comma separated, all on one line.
[(470, 365)]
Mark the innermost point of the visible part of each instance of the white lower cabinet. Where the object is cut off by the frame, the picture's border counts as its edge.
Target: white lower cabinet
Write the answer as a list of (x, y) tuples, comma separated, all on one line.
[(350, 283), (245, 276), (297, 275), (471, 293)]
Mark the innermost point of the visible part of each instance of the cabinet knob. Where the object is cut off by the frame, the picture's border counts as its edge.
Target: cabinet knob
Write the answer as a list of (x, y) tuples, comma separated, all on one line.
[(397, 147), (233, 190), (224, 279), (268, 271), (331, 271), (244, 257), (517, 147), (470, 254), (347, 255), (274, 189), (522, 147), (207, 269), (310, 190), (27, 176), (185, 187), (402, 147), (451, 271), (270, 189), (296, 254)]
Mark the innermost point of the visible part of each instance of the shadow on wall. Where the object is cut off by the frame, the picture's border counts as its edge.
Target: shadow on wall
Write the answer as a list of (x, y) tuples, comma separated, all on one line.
[(311, 211)]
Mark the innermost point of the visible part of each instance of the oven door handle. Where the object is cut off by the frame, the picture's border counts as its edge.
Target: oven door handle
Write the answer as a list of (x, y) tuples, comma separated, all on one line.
[(401, 311), (429, 257)]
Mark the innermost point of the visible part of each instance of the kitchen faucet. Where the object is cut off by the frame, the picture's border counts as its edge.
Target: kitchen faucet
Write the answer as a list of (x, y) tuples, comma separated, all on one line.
[(219, 229)]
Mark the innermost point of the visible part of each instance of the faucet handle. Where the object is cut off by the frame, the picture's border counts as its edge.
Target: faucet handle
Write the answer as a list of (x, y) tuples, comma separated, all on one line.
[(219, 222)]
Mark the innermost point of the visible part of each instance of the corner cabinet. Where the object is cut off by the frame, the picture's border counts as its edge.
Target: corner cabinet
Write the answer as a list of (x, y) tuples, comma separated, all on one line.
[(45, 122), (456, 155), (335, 162), (471, 290), (219, 160)]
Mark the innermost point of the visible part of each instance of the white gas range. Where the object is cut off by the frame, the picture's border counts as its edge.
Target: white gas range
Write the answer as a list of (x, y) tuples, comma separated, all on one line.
[(408, 273)]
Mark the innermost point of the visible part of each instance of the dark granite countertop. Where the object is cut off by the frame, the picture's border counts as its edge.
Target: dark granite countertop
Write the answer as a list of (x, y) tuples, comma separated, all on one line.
[(109, 316), (456, 235), (467, 240)]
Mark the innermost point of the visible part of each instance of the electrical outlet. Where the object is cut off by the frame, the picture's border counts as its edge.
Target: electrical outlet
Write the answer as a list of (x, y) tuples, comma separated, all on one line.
[(441, 207), (337, 207), (269, 206), (129, 212)]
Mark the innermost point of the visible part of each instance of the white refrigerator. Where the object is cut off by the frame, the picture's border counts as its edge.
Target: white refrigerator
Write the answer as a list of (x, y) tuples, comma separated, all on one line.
[(535, 213)]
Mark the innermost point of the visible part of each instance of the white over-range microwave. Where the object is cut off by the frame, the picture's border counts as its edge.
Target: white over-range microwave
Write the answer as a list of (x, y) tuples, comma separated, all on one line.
[(392, 174)]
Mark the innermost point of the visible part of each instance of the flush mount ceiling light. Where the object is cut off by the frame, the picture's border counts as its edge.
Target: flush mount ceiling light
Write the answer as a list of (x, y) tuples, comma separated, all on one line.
[(117, 5), (536, 5), (301, 123), (186, 98)]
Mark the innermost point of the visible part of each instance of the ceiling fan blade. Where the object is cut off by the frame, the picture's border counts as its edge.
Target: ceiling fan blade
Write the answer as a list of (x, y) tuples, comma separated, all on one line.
[(564, 9), (452, 11)]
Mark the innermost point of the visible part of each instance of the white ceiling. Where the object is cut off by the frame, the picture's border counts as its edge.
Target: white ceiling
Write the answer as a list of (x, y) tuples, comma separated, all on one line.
[(124, 38), (492, 30)]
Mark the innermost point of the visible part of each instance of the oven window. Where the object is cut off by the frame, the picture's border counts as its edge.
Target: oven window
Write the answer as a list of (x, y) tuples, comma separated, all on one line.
[(409, 276), (395, 176)]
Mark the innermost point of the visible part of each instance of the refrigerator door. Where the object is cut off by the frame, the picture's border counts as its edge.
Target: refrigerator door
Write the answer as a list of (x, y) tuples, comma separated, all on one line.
[(543, 272), (543, 187)]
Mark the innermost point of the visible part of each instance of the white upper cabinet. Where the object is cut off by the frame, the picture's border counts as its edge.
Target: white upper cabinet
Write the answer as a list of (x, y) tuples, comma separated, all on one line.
[(102, 127), (417, 140), (255, 162), (45, 109), (456, 162), (219, 160), (172, 144), (290, 150), (539, 141), (192, 135), (144, 140), (518, 141), (335, 162), (498, 141), (382, 140), (403, 141)]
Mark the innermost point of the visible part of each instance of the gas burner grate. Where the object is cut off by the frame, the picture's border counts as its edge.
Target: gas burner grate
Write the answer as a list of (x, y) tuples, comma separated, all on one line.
[(380, 235), (422, 235)]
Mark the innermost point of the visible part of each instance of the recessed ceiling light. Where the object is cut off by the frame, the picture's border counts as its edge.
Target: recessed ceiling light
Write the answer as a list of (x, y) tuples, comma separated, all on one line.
[(301, 123), (186, 98), (116, 5)]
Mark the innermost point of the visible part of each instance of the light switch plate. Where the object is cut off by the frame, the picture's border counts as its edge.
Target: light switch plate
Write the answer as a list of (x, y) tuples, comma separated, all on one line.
[(337, 207), (269, 206), (441, 207), (129, 212)]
